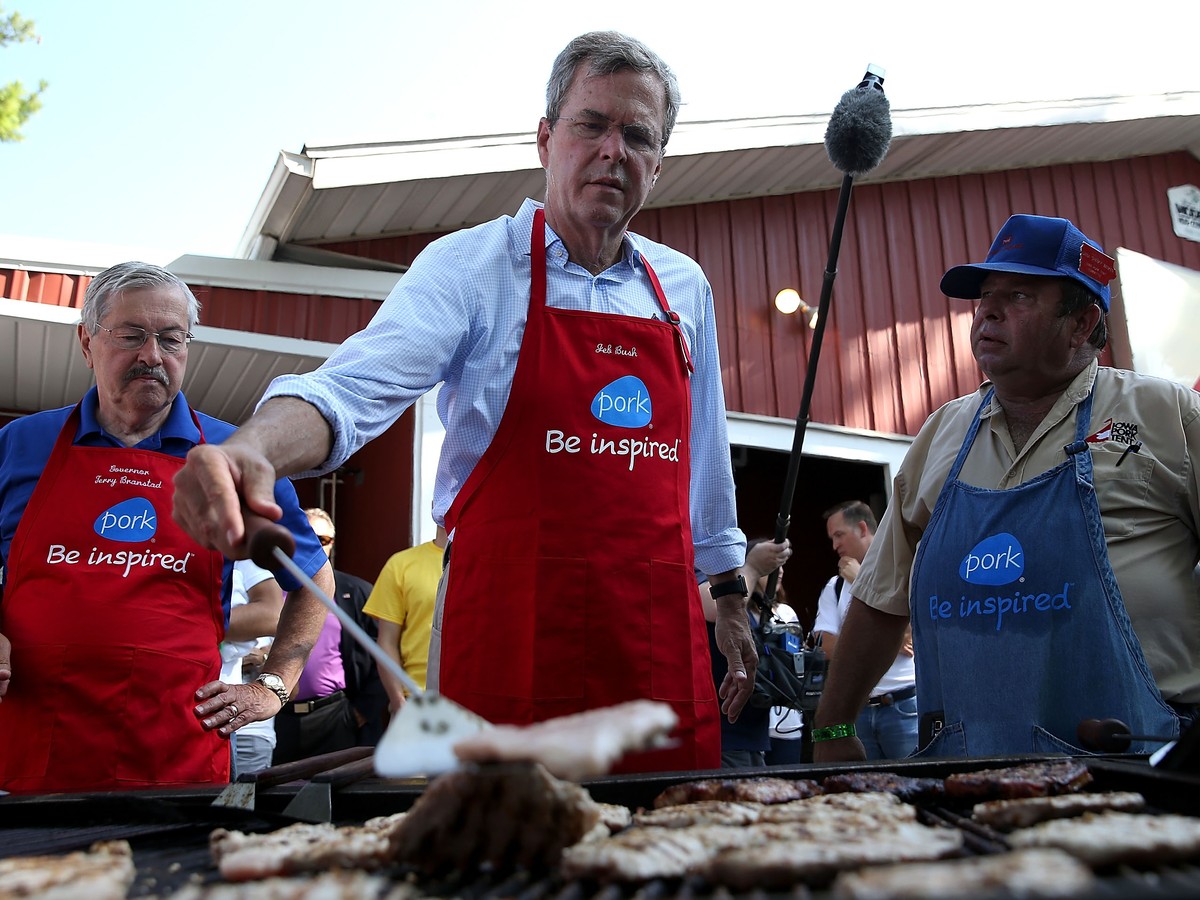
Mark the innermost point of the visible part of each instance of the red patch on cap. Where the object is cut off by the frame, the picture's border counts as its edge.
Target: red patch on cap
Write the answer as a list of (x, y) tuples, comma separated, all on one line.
[(1097, 265)]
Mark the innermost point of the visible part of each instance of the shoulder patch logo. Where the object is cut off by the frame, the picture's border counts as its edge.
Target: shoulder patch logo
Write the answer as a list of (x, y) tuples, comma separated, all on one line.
[(624, 403), (999, 559), (130, 521)]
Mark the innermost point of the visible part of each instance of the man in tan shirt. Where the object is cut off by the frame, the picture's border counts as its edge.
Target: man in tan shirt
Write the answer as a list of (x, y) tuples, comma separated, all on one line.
[(1042, 532)]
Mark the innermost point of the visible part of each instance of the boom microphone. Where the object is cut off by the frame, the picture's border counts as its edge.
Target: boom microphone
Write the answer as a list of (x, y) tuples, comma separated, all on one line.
[(856, 140), (860, 128)]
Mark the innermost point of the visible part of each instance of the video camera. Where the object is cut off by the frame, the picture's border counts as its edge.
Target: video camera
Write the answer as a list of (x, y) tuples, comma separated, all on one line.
[(789, 673)]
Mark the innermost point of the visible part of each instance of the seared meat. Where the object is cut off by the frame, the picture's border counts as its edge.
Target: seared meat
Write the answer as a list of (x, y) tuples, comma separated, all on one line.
[(499, 816), (1039, 779), (911, 789), (103, 872)]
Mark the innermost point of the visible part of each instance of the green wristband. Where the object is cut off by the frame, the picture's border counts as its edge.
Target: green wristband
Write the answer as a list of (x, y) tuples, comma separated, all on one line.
[(833, 732)]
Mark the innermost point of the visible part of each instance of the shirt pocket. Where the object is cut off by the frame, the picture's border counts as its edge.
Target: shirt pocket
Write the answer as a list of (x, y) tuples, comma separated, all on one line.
[(1122, 479)]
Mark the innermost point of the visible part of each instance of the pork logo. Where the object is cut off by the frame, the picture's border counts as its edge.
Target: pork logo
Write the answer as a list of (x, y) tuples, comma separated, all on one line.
[(130, 521), (624, 403), (999, 559)]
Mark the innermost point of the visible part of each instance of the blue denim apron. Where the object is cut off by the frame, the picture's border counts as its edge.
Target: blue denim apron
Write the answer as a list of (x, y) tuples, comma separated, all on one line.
[(1018, 624)]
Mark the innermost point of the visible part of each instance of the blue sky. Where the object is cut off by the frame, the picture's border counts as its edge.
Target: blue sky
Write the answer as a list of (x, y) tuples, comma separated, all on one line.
[(163, 119)]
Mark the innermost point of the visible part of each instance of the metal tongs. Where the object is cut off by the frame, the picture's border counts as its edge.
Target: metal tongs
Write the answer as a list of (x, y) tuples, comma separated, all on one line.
[(420, 738)]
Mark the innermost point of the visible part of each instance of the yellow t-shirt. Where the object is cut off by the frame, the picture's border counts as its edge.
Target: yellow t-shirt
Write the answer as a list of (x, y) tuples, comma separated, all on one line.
[(405, 593)]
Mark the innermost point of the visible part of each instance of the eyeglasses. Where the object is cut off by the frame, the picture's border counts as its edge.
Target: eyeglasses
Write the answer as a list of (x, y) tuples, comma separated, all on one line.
[(638, 138), (325, 539), (130, 337)]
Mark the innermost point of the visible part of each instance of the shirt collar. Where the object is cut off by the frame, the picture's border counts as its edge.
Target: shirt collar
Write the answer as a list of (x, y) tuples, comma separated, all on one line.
[(178, 426), (524, 222), (1077, 390)]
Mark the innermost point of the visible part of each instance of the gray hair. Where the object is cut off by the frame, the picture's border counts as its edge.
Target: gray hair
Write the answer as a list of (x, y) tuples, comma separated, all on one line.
[(131, 276), (606, 53)]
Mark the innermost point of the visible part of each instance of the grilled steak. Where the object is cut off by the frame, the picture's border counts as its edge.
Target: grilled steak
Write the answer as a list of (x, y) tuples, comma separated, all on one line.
[(643, 854), (103, 872), (498, 816), (1039, 779), (1102, 839), (780, 864), (910, 789), (343, 883), (1009, 814), (880, 807), (738, 790), (1025, 873), (702, 812), (302, 848)]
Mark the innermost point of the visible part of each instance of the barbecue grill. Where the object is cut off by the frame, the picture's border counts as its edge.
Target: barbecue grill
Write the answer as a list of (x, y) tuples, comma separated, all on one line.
[(169, 829)]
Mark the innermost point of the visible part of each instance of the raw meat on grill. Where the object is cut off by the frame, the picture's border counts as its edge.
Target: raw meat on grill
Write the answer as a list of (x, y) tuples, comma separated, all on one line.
[(576, 747), (1039, 779), (906, 788), (735, 790), (1024, 873), (1009, 814)]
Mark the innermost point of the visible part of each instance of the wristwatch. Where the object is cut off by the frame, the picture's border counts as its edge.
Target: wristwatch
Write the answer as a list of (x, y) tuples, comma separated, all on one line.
[(733, 586), (275, 685)]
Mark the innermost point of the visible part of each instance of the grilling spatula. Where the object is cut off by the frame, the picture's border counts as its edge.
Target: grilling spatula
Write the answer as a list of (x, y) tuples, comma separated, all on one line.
[(420, 738)]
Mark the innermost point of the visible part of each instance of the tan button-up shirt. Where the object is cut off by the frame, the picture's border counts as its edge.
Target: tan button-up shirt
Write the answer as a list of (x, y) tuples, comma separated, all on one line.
[(1150, 503)]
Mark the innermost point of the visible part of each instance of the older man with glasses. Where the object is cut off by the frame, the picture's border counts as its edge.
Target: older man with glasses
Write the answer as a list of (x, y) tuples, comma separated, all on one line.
[(110, 614)]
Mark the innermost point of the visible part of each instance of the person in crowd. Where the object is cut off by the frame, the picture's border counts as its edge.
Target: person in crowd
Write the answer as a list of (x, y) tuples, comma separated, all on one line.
[(586, 467), (787, 723), (887, 726), (339, 700), (402, 604), (112, 612), (745, 741), (256, 604), (1042, 531)]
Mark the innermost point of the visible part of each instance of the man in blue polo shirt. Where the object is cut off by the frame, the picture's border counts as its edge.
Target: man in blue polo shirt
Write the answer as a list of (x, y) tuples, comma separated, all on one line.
[(113, 614)]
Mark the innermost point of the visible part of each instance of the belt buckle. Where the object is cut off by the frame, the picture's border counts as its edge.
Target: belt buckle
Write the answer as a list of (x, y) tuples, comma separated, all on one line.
[(881, 700), (303, 707)]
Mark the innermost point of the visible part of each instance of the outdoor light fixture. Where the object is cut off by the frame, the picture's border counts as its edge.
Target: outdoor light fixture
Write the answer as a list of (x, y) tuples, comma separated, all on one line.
[(788, 301)]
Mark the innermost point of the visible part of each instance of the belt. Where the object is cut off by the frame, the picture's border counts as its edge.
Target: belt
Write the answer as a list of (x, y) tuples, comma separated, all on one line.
[(304, 707), (893, 697)]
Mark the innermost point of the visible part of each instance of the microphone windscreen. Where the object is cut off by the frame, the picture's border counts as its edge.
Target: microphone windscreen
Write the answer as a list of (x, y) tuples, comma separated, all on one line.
[(859, 130)]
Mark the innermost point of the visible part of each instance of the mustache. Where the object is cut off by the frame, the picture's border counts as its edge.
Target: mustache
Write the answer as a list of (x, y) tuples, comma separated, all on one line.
[(158, 373)]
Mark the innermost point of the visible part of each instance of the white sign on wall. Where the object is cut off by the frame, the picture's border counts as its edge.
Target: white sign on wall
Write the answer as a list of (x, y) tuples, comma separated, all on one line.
[(1184, 201)]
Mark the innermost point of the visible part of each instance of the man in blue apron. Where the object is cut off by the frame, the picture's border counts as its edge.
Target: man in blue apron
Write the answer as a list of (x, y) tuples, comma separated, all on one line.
[(1042, 531)]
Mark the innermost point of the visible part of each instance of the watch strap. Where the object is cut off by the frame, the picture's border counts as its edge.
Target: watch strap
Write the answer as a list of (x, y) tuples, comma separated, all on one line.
[(733, 586), (275, 685)]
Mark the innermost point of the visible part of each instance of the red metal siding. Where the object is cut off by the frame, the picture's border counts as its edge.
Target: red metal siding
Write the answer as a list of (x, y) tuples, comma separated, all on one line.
[(43, 287)]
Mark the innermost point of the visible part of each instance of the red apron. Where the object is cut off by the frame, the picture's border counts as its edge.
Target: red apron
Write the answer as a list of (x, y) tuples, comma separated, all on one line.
[(571, 584), (114, 616)]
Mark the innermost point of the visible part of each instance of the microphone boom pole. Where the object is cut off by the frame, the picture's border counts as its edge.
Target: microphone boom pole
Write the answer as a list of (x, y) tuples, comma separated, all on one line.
[(856, 140)]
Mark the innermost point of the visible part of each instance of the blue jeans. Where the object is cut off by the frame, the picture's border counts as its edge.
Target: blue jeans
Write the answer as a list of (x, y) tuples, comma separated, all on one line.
[(889, 732)]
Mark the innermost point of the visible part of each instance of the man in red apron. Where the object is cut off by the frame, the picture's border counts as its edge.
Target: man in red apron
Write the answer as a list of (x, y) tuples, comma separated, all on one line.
[(585, 473), (113, 613), (1058, 525)]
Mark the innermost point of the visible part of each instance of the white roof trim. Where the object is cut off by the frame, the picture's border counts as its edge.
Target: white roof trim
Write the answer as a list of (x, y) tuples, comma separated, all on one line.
[(290, 278)]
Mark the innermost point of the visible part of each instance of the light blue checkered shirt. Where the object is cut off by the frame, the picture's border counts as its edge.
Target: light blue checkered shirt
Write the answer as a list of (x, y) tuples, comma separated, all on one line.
[(458, 315)]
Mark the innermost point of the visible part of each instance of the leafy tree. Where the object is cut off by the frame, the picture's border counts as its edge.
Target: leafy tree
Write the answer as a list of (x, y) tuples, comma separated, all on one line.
[(15, 104)]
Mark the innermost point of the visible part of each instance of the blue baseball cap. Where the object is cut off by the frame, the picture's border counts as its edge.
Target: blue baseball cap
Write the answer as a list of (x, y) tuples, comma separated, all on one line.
[(1037, 245)]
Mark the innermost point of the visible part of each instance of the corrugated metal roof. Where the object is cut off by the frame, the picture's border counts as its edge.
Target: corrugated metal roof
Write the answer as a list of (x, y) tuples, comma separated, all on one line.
[(358, 191)]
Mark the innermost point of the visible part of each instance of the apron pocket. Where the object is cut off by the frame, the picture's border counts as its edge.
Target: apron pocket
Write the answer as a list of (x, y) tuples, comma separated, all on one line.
[(1042, 741), (681, 668), (161, 740), (950, 741), (537, 620)]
